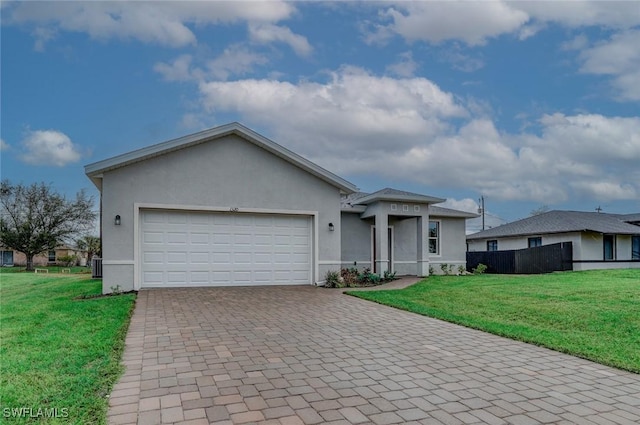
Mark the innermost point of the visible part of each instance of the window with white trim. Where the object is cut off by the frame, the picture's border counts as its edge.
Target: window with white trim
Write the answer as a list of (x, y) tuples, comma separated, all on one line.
[(492, 245), (635, 247), (434, 237)]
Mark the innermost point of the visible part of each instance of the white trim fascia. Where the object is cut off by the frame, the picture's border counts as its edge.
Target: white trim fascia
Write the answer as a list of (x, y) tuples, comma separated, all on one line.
[(419, 199), (94, 170), (137, 206)]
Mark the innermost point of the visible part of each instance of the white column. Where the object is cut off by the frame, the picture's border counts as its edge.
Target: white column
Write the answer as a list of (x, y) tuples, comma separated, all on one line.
[(382, 243), (423, 246)]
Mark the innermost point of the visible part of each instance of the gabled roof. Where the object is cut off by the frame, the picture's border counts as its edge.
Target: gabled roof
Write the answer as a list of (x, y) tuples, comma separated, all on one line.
[(561, 222), (96, 170), (388, 194), (630, 218), (437, 211)]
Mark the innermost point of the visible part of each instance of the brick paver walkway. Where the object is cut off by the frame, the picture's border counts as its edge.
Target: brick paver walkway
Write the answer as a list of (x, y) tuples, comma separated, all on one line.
[(305, 355)]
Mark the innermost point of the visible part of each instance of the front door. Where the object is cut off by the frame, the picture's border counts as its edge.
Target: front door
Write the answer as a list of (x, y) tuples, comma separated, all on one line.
[(374, 253)]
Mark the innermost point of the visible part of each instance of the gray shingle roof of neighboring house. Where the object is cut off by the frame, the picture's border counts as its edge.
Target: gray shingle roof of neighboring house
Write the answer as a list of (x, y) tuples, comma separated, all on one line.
[(630, 218), (561, 222)]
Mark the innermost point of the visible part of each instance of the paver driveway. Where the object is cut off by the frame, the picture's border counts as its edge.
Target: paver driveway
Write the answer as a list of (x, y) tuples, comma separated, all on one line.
[(294, 355)]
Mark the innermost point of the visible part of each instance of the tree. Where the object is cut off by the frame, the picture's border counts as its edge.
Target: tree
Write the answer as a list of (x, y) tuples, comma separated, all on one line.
[(36, 218), (91, 244), (540, 210)]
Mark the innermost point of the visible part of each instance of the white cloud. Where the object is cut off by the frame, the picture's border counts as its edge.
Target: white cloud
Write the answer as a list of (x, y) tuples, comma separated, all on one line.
[(4, 145), (49, 147), (475, 22), (619, 57), (178, 70), (268, 33), (166, 23), (435, 22), (235, 60), (405, 67), (410, 129)]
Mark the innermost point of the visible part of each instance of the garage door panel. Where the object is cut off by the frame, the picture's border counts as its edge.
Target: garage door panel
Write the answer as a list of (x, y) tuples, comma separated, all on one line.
[(153, 238), (219, 249), (199, 238)]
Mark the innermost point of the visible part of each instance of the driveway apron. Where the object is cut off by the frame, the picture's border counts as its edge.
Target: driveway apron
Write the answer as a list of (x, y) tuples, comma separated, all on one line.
[(306, 355)]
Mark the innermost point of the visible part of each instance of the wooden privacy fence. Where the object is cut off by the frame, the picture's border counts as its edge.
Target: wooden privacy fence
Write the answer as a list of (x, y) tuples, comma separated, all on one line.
[(541, 259)]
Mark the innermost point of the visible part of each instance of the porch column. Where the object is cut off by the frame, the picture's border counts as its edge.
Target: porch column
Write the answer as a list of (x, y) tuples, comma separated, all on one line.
[(382, 243), (423, 246)]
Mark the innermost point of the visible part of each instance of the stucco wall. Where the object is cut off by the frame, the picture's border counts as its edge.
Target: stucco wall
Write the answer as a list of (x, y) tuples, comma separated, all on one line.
[(228, 173), (522, 242), (356, 241)]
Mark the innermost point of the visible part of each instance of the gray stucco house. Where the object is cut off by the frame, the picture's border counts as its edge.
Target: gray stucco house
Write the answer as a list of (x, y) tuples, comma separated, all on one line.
[(599, 240), (227, 206)]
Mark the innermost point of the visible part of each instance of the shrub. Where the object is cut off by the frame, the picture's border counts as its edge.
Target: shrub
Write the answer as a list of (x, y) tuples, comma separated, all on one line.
[(479, 269), (350, 276), (445, 268), (333, 279), (462, 269), (388, 276), (431, 270), (67, 260)]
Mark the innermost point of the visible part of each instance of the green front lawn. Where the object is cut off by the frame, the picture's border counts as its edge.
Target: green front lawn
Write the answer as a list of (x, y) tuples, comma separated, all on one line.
[(56, 351), (592, 314)]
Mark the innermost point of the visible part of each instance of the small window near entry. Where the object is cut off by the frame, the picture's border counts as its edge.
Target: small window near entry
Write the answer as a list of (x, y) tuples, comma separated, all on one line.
[(394, 207), (416, 208), (533, 242), (434, 237), (492, 245), (635, 248), (52, 256), (405, 208), (609, 247)]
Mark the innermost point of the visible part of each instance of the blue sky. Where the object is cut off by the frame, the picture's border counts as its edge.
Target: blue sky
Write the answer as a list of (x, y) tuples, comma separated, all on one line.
[(526, 103)]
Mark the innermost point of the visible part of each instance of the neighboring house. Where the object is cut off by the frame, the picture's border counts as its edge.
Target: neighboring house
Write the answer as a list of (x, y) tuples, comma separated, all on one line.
[(600, 240), (227, 206), (52, 257)]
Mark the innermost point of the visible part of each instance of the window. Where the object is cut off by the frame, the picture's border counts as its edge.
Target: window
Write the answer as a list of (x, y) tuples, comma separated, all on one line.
[(492, 245), (434, 237), (609, 247), (52, 256), (533, 242), (635, 247), (7, 258)]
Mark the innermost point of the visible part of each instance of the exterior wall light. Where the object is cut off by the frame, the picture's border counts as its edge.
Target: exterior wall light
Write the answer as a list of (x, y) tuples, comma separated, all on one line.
[(331, 227), (117, 220)]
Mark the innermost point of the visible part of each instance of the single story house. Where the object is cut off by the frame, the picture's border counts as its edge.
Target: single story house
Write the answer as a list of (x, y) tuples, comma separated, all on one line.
[(227, 206), (599, 240), (11, 257)]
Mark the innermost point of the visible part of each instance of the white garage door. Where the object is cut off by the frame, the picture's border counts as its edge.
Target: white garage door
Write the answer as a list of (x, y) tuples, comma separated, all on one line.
[(222, 249)]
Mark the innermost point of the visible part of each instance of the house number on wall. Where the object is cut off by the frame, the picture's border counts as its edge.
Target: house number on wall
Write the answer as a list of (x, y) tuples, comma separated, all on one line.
[(234, 209)]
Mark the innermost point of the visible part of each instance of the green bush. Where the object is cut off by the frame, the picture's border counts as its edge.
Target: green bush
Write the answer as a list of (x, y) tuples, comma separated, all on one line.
[(481, 268), (67, 260), (333, 279)]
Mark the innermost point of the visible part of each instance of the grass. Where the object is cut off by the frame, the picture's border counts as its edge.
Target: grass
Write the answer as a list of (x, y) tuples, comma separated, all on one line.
[(56, 351), (52, 269), (591, 314)]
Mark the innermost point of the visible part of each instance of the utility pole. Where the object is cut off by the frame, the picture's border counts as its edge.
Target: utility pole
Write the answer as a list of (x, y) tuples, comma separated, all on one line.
[(481, 209), (598, 209)]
